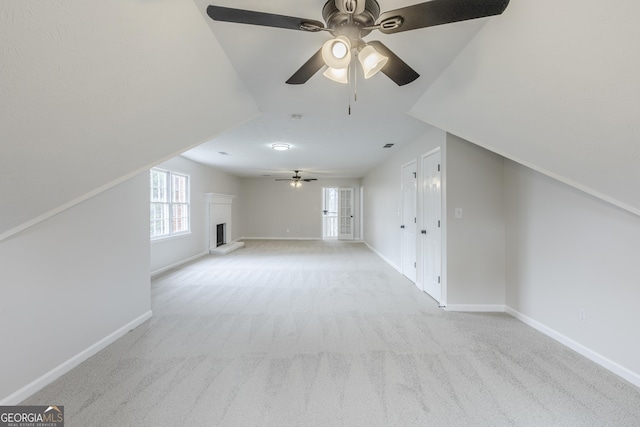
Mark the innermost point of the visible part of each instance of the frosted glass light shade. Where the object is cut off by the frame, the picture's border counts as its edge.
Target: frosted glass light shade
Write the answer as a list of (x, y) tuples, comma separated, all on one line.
[(280, 147), (339, 75), (336, 53), (371, 61)]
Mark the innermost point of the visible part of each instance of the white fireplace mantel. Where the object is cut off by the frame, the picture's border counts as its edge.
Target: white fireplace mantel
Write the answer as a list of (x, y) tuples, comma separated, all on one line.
[(219, 199), (219, 212)]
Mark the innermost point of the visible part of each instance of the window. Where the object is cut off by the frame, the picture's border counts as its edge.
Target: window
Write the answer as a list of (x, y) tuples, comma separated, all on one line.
[(169, 208)]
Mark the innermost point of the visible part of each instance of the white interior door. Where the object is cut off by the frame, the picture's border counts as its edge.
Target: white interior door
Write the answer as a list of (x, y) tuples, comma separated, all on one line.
[(431, 232), (345, 216), (408, 220)]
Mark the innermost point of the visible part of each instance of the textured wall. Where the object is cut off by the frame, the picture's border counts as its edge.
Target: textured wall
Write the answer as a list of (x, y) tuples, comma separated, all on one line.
[(568, 251), (94, 94), (273, 209), (475, 242), (72, 280)]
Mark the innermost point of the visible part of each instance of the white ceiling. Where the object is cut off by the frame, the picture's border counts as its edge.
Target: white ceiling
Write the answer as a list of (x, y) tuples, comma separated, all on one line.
[(558, 92), (327, 140)]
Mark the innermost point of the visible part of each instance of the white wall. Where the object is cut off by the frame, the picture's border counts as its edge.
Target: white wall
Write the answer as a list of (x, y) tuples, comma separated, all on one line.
[(473, 247), (87, 102), (204, 179), (271, 209), (382, 197), (70, 282), (554, 86), (567, 250), (475, 242)]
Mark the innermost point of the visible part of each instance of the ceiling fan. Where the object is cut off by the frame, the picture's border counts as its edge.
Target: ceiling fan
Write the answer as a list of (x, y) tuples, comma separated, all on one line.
[(349, 21), (296, 180)]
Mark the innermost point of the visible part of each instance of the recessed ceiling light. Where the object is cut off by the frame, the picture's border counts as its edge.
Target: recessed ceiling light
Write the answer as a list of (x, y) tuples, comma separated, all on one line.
[(280, 147)]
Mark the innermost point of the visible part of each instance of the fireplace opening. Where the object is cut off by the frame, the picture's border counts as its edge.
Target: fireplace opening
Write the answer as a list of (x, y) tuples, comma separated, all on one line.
[(221, 231)]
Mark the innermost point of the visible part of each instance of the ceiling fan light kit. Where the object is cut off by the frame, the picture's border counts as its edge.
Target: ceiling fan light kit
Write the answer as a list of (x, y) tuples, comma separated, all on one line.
[(349, 21), (339, 75), (371, 60), (336, 53), (296, 180)]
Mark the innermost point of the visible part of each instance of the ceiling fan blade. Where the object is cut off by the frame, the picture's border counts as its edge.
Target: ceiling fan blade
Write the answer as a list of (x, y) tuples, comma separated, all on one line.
[(395, 68), (309, 179), (241, 16), (284, 179), (304, 73), (437, 12)]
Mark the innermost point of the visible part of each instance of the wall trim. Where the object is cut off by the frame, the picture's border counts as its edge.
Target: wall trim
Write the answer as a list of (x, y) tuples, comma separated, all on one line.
[(585, 189), (74, 361), (476, 308), (301, 238), (177, 264), (280, 238), (616, 368), (385, 259), (86, 196)]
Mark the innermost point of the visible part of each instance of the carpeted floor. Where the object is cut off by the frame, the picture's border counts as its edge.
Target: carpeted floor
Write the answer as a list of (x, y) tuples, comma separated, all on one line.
[(310, 333)]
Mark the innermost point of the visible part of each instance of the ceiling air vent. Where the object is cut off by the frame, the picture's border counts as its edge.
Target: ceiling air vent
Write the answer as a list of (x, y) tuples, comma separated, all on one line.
[(388, 146)]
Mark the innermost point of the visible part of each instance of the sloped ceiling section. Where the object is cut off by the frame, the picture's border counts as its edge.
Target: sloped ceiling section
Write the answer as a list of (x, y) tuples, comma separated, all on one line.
[(91, 93), (553, 85)]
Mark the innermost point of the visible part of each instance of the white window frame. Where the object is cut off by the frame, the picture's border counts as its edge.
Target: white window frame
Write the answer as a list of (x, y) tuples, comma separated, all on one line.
[(165, 203)]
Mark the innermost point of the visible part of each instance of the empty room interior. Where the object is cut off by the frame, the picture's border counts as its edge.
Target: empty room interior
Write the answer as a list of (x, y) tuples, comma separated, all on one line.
[(201, 224)]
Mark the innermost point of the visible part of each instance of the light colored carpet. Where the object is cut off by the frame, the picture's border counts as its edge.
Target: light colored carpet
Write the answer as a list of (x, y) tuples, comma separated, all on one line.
[(326, 334)]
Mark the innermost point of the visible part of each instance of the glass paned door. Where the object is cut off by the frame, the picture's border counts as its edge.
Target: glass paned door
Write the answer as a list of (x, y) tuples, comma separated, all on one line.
[(346, 214), (330, 213)]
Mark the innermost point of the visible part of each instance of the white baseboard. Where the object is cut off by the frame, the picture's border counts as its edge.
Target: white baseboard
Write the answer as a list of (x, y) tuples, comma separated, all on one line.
[(65, 367), (280, 238), (476, 308), (385, 259), (627, 374), (301, 238), (177, 264)]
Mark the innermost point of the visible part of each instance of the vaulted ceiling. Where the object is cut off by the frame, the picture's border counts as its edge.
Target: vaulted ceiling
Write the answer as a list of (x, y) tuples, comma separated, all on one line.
[(89, 98), (337, 135), (552, 85)]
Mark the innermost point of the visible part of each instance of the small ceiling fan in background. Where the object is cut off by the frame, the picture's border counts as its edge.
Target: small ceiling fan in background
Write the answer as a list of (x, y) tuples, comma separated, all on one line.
[(296, 180), (349, 21)]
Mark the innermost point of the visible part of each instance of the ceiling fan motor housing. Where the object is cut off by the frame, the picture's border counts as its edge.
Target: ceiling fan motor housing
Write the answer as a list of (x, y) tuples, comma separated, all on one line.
[(355, 19), (339, 24)]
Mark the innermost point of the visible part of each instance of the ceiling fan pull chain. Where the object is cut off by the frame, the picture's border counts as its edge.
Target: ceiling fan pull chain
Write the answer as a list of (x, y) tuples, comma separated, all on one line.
[(349, 88), (355, 80)]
